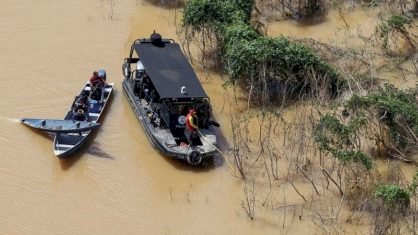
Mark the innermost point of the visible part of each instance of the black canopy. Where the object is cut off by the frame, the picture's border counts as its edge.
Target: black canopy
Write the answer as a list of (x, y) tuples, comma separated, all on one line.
[(169, 70)]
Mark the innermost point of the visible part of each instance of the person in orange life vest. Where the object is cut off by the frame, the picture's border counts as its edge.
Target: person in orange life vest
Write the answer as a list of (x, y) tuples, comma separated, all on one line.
[(191, 125), (191, 120)]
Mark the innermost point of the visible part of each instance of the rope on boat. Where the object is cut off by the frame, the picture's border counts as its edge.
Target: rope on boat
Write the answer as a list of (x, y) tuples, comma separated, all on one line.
[(206, 140)]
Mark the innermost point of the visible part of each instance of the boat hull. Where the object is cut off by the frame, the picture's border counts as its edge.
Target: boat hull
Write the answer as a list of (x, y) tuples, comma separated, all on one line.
[(66, 144), (157, 137), (59, 126)]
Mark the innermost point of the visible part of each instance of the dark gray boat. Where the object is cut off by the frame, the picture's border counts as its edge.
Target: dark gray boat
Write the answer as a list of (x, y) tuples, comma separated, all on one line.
[(67, 143), (59, 126), (161, 87)]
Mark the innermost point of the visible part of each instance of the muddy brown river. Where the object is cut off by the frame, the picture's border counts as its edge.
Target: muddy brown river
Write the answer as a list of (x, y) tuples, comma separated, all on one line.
[(118, 183)]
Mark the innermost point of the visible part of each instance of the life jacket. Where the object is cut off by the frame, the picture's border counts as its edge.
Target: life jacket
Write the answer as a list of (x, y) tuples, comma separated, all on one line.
[(190, 118)]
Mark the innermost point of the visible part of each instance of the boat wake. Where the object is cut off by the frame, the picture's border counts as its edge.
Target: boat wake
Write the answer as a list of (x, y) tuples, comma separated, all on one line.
[(17, 120)]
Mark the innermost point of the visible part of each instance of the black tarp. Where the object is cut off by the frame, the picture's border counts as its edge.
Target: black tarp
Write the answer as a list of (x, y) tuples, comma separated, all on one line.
[(169, 70)]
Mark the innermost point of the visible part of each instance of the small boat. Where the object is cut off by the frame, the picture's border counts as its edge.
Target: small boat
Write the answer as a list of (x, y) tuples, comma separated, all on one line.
[(67, 143), (161, 88), (59, 126)]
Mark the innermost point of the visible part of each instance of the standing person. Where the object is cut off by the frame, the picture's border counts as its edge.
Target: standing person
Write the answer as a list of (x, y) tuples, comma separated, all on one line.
[(191, 126)]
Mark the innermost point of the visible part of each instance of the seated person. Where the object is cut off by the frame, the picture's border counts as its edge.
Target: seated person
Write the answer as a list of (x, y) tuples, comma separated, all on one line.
[(97, 82), (81, 107)]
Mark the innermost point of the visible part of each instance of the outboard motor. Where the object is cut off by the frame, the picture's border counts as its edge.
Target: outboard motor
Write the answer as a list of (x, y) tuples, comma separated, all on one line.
[(102, 74), (194, 158)]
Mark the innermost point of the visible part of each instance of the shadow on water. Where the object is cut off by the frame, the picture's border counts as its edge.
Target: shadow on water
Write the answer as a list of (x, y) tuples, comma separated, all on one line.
[(95, 150), (91, 147)]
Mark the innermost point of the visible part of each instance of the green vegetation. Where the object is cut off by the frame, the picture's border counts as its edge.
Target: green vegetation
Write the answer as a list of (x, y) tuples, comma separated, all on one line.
[(394, 113), (393, 194), (273, 69), (395, 110), (339, 139), (396, 25)]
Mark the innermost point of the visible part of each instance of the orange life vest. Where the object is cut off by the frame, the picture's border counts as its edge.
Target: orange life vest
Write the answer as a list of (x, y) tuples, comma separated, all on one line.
[(191, 122)]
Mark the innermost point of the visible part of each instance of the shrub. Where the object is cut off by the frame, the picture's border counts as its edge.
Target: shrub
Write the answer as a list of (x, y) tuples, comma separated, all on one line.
[(396, 109), (338, 139), (269, 65), (393, 195)]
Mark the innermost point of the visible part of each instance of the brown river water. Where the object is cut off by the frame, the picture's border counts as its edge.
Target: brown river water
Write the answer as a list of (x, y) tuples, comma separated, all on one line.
[(117, 184)]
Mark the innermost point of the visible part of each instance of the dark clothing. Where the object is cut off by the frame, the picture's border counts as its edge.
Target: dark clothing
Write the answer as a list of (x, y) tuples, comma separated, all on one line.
[(82, 102), (96, 92), (191, 128), (191, 136), (78, 116), (81, 108)]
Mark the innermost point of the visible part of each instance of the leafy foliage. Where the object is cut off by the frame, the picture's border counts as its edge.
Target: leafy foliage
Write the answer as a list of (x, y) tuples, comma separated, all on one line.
[(395, 24), (338, 139), (214, 14), (354, 156), (393, 194), (240, 33), (396, 109), (268, 64), (414, 184)]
